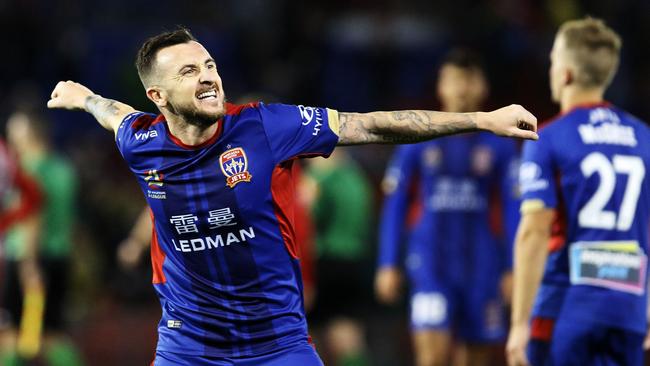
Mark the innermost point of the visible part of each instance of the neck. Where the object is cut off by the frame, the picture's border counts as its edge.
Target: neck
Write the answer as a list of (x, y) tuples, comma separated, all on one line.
[(573, 96), (189, 134)]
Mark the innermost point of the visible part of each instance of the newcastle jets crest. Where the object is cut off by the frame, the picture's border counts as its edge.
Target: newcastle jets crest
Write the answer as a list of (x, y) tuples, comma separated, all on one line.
[(234, 166)]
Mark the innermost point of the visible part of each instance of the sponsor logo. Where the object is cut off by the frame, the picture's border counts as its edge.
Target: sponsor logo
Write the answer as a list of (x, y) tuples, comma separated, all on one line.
[(530, 177), (618, 266), (432, 156), (234, 166), (309, 114), (214, 241), (155, 183), (456, 194), (306, 114), (605, 127), (174, 324), (142, 136), (481, 160)]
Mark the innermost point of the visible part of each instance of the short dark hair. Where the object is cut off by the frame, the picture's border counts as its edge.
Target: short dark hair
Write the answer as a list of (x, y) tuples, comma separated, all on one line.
[(464, 58), (144, 62)]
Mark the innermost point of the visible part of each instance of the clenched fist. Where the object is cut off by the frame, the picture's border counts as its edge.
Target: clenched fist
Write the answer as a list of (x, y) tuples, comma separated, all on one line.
[(69, 95)]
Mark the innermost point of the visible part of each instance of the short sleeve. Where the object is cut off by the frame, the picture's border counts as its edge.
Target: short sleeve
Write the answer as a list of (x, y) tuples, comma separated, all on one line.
[(294, 131), (123, 136), (537, 176)]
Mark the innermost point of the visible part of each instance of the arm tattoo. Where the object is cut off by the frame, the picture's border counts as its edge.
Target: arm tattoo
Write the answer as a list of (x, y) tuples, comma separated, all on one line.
[(108, 112), (401, 127), (101, 108)]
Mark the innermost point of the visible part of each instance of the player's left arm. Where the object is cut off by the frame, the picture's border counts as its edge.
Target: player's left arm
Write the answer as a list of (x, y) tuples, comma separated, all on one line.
[(412, 126), (530, 258), (74, 96)]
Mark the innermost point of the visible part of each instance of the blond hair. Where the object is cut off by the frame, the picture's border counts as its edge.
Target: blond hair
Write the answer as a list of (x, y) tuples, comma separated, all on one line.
[(593, 48)]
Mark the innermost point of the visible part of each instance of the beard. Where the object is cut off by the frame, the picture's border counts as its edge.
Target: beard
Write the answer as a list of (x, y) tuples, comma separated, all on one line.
[(193, 116)]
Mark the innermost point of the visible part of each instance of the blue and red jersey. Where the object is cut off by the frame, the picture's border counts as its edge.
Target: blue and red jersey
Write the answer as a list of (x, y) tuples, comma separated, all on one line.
[(464, 188), (590, 166), (225, 263)]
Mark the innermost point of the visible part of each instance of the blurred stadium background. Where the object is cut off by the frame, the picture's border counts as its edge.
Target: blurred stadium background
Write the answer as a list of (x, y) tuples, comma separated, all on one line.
[(353, 55)]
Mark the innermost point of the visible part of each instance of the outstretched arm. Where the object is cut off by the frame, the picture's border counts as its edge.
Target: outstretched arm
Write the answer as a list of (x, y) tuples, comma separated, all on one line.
[(74, 96), (415, 125)]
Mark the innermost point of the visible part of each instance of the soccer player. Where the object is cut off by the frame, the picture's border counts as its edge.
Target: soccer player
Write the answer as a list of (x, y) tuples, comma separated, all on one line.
[(456, 260), (28, 135), (20, 201), (581, 250), (218, 180)]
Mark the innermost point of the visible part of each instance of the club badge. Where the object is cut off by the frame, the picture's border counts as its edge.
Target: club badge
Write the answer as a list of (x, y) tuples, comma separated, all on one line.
[(234, 166)]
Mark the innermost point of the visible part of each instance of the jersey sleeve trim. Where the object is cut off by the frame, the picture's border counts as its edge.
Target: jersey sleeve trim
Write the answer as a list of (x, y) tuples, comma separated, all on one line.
[(532, 205), (333, 120), (129, 119)]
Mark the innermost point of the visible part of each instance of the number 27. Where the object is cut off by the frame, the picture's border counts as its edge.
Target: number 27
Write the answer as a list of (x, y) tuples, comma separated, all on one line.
[(593, 214)]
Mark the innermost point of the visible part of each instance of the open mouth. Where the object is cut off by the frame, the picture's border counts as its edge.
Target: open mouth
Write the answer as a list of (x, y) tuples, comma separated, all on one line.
[(206, 95)]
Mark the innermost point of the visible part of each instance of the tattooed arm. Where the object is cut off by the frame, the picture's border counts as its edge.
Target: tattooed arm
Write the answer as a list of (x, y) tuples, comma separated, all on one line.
[(70, 95), (413, 125)]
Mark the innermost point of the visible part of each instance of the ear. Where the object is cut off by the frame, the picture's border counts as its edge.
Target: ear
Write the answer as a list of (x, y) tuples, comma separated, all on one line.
[(568, 76), (157, 95)]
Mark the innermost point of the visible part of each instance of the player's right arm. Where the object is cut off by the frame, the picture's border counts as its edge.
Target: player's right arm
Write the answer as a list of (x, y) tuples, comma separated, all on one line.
[(74, 96), (396, 183)]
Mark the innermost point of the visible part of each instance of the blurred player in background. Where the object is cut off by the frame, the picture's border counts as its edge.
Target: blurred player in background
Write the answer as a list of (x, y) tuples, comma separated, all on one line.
[(28, 135), (20, 200), (218, 178), (340, 204), (455, 201), (582, 243)]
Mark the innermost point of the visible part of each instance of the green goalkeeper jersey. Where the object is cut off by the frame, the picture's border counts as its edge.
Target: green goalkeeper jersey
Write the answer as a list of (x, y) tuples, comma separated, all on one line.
[(58, 184), (342, 212)]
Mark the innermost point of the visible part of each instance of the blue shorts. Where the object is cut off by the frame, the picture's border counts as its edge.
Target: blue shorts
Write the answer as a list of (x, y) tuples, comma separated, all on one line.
[(472, 311), (302, 355), (579, 342)]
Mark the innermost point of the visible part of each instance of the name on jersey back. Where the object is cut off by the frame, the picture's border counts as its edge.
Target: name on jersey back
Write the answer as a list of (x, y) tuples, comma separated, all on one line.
[(605, 127)]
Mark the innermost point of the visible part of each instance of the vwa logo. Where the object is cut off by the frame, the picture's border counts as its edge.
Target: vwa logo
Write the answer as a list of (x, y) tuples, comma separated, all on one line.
[(142, 136)]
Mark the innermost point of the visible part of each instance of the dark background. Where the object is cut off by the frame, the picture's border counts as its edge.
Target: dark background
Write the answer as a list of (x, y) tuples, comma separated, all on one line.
[(354, 55)]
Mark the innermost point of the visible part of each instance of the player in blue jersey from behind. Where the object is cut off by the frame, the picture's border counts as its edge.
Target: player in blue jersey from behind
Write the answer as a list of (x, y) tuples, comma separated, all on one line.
[(581, 250), (455, 259), (218, 179)]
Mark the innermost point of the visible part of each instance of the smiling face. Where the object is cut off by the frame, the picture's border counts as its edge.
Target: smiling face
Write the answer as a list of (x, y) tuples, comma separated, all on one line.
[(185, 83)]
